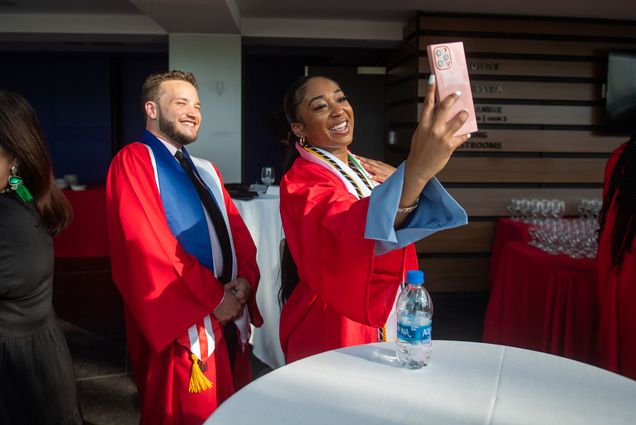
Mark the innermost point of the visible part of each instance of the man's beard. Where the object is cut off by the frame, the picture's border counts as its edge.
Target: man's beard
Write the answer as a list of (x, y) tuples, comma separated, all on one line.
[(169, 129)]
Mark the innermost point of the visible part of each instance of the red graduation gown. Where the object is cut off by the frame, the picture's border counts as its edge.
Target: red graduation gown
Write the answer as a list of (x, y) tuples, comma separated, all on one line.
[(617, 297), (345, 292), (165, 291)]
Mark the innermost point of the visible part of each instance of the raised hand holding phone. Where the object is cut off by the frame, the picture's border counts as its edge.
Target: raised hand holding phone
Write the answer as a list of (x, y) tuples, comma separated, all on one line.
[(432, 144), (448, 64)]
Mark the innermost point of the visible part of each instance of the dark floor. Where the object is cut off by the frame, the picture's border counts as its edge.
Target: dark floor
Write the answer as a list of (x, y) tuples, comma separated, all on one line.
[(92, 317)]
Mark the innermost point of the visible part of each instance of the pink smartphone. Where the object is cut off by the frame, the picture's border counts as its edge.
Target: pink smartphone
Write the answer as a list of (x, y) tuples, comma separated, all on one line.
[(448, 63)]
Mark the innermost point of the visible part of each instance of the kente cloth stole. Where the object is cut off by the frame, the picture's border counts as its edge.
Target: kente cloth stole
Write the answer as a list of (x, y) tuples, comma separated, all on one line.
[(353, 175), (187, 222)]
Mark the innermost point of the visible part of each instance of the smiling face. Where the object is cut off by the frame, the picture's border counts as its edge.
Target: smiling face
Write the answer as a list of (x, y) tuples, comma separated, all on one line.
[(177, 116), (325, 117)]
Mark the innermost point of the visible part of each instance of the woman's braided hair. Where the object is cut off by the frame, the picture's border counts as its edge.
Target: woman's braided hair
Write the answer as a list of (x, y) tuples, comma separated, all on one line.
[(621, 190)]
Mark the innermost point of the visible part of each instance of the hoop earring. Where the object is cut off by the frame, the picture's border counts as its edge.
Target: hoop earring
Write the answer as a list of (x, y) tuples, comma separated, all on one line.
[(17, 185)]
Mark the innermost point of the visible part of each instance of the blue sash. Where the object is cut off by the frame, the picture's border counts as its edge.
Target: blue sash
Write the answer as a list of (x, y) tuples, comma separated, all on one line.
[(181, 202)]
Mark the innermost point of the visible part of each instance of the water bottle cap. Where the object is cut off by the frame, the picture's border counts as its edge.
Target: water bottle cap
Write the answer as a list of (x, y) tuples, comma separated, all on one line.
[(415, 277)]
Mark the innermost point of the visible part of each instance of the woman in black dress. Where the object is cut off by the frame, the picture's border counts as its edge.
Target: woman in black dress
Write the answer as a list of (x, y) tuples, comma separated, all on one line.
[(37, 385)]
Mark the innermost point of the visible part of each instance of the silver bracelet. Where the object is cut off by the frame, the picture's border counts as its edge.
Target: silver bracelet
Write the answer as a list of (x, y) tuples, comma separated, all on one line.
[(407, 210)]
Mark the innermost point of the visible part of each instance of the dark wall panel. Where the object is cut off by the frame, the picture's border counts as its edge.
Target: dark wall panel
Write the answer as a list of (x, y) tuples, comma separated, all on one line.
[(265, 80), (80, 134), (86, 103), (128, 75)]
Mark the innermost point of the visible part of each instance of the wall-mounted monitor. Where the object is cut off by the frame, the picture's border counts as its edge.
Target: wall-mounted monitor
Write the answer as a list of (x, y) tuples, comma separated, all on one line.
[(620, 95)]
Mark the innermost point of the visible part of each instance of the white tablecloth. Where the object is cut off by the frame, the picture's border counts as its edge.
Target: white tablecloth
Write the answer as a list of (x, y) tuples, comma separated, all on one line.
[(465, 383), (262, 217)]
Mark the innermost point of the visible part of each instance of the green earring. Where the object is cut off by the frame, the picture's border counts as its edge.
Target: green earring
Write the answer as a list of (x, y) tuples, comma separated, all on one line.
[(17, 185)]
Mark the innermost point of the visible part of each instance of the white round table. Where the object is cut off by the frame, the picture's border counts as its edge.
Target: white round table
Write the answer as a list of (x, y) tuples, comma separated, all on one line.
[(465, 383), (262, 218)]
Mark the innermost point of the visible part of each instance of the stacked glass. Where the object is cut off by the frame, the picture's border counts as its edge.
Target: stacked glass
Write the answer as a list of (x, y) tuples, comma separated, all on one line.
[(575, 237), (536, 210)]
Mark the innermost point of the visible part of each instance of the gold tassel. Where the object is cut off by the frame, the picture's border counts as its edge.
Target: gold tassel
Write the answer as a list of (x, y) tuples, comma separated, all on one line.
[(383, 331), (198, 381)]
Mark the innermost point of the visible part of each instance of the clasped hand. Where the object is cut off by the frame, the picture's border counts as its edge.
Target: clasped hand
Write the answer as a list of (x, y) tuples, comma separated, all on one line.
[(237, 292)]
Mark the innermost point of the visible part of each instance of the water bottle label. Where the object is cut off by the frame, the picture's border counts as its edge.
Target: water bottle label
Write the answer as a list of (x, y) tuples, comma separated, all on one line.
[(414, 334)]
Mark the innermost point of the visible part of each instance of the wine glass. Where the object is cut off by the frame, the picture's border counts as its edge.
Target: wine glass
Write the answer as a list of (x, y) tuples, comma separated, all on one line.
[(267, 176)]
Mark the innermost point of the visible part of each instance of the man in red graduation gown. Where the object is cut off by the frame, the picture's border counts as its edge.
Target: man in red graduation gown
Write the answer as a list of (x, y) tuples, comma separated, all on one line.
[(183, 260)]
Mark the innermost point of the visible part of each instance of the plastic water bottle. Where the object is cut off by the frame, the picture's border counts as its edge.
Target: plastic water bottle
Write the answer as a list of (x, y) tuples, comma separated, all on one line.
[(415, 318)]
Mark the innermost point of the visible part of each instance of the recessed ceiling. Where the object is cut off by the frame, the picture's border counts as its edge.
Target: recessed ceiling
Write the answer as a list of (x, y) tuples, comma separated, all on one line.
[(289, 21), (386, 10), (115, 7), (403, 9)]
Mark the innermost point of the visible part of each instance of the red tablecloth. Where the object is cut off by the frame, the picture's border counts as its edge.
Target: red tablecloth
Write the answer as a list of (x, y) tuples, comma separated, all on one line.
[(507, 230), (542, 302), (87, 236)]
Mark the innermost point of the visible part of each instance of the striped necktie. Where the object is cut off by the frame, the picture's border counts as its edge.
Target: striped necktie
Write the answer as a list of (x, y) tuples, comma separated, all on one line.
[(216, 217), (229, 329)]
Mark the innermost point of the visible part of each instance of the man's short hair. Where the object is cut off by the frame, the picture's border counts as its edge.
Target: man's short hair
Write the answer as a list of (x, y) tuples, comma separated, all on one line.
[(150, 89)]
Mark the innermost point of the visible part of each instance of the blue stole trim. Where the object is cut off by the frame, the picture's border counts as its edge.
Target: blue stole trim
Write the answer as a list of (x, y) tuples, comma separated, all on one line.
[(181, 202)]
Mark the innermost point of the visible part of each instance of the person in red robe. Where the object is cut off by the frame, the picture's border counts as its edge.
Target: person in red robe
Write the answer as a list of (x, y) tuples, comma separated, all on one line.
[(349, 241), (187, 273), (616, 263)]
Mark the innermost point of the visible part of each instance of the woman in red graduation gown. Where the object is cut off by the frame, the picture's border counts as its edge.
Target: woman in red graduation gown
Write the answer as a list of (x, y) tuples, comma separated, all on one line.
[(616, 263), (348, 239)]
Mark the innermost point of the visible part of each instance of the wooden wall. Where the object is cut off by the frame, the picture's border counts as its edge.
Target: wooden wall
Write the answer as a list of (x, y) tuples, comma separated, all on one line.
[(538, 90)]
